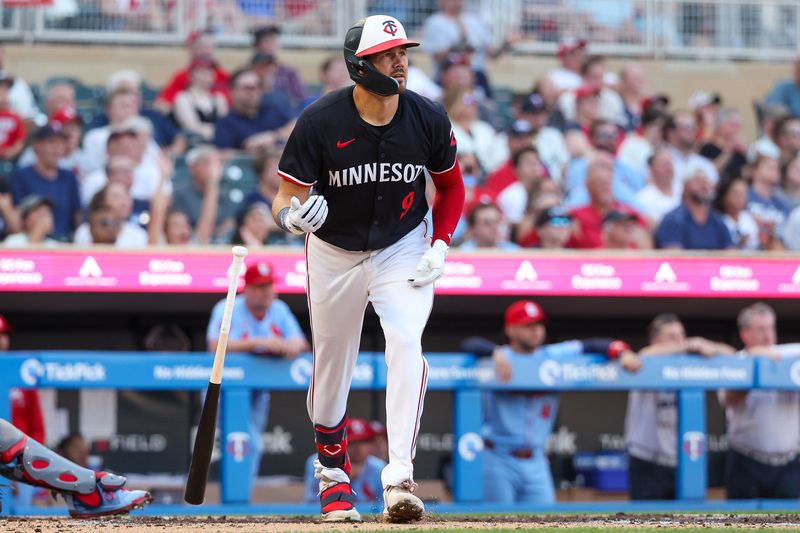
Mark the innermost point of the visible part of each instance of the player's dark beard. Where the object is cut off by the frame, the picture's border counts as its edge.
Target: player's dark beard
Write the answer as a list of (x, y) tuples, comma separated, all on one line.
[(701, 199), (526, 346), (401, 86)]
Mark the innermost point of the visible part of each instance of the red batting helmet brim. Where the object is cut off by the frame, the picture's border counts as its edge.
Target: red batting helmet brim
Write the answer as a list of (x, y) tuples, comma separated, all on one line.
[(386, 45)]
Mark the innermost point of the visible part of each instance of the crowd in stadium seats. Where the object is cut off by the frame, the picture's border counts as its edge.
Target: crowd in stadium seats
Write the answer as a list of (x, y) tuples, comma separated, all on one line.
[(590, 154)]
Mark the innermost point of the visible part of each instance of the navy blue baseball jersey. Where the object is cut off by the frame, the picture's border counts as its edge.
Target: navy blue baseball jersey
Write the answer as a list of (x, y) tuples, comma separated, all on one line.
[(373, 177)]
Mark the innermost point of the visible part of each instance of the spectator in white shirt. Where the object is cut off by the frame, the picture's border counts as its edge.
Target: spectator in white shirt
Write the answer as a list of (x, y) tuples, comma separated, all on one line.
[(37, 223), (109, 215), (680, 132), (473, 134), (549, 142), (593, 72), (731, 202), (571, 55), (791, 231), (765, 144), (638, 145), (530, 173), (121, 105), (659, 196), (20, 97)]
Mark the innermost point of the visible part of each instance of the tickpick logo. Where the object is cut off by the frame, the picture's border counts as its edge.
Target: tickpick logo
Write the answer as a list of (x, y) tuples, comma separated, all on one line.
[(549, 372), (301, 371), (794, 372), (469, 446), (30, 371)]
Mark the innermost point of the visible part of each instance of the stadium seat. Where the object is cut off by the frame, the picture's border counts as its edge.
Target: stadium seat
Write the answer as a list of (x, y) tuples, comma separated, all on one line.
[(181, 170), (6, 167), (85, 95), (758, 109), (238, 178), (37, 94), (313, 88), (87, 115), (149, 94)]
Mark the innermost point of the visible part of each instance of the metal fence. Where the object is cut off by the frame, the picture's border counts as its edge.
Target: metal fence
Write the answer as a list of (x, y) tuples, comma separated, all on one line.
[(707, 29)]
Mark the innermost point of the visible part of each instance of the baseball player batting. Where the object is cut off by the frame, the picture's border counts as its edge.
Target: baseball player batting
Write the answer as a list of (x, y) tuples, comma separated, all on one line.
[(364, 151)]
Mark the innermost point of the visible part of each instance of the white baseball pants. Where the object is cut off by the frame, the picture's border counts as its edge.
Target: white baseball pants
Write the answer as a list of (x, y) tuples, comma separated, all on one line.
[(339, 284)]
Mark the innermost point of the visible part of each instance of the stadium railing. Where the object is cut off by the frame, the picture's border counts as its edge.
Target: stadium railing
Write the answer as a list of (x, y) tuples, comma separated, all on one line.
[(465, 375), (708, 29)]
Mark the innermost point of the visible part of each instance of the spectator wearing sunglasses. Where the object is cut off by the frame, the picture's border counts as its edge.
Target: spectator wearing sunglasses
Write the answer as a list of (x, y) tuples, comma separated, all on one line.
[(553, 229), (108, 221)]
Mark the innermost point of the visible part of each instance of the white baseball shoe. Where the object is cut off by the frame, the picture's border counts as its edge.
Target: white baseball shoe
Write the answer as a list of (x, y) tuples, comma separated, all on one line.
[(400, 504)]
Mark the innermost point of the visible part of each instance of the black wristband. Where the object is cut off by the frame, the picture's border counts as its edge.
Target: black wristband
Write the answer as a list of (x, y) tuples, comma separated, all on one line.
[(281, 220), (597, 345)]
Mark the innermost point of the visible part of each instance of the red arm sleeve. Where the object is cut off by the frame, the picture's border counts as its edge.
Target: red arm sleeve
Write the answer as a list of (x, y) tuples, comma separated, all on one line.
[(448, 202), (34, 415)]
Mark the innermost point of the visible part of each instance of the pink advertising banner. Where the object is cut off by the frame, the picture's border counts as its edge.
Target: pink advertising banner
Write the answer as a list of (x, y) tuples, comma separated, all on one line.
[(512, 274)]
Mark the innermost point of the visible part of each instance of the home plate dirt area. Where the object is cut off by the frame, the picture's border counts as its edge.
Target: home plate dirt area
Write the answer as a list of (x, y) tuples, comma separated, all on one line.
[(432, 522)]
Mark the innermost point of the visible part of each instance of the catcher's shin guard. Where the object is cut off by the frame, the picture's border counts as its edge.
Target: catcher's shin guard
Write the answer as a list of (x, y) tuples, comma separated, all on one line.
[(332, 446), (24, 459), (87, 494)]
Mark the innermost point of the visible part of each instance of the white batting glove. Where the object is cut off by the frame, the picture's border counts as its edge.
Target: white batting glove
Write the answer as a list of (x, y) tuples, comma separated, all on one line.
[(431, 264), (306, 218)]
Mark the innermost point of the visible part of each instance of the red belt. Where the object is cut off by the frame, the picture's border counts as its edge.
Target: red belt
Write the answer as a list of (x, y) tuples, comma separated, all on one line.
[(519, 453)]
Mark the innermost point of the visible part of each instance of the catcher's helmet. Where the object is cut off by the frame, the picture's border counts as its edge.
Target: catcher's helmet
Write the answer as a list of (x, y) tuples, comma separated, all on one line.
[(371, 35)]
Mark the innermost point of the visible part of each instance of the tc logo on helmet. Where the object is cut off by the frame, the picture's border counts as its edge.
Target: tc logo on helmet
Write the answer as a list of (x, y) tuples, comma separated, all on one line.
[(390, 27)]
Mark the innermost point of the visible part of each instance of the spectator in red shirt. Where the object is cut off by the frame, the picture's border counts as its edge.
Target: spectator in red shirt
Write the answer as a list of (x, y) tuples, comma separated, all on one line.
[(26, 415), (201, 48), (588, 231), (12, 128)]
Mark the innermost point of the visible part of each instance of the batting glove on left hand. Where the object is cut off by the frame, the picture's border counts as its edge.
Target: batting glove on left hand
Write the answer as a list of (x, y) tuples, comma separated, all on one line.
[(431, 264), (308, 217)]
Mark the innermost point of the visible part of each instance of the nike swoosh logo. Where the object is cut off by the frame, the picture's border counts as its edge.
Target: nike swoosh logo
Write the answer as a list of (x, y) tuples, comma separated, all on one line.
[(340, 144)]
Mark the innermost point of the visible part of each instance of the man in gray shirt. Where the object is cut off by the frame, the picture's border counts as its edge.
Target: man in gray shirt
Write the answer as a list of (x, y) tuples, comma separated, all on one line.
[(651, 421), (202, 192), (763, 425)]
